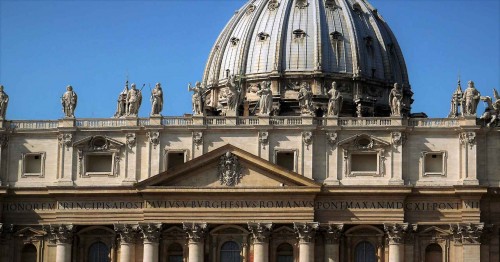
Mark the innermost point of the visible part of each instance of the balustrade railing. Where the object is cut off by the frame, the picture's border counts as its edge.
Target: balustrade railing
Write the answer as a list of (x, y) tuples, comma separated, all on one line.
[(365, 121), (433, 122), (95, 123), (34, 124), (177, 121)]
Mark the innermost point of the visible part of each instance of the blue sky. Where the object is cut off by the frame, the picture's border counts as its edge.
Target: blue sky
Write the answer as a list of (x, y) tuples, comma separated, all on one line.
[(93, 45)]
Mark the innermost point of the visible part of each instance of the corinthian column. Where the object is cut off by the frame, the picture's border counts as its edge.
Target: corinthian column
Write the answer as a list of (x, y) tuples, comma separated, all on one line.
[(260, 235), (469, 235), (395, 234), (128, 234), (151, 234), (196, 237), (306, 233), (63, 235), (332, 241)]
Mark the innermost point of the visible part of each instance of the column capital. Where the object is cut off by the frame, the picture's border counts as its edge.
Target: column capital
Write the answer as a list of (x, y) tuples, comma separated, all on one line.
[(195, 231), (127, 232), (61, 233), (306, 231), (333, 232), (260, 231), (395, 232), (150, 232), (467, 233)]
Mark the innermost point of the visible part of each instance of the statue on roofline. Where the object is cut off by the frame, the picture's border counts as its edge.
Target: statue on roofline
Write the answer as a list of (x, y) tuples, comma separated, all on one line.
[(395, 100), (4, 102), (335, 101), (156, 100), (134, 100), (121, 107), (69, 101), (470, 100), (266, 98)]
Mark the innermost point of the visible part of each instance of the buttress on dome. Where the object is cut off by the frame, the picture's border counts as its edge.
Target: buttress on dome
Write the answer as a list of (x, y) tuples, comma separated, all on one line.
[(317, 42)]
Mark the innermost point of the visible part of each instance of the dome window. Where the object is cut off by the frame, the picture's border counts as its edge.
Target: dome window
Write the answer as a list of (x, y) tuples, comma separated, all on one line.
[(234, 41), (263, 36), (299, 34), (336, 36), (331, 4), (273, 5), (301, 4), (357, 8)]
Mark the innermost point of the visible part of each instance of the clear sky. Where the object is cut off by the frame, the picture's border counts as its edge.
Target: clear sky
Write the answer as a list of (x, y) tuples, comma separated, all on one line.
[(93, 45)]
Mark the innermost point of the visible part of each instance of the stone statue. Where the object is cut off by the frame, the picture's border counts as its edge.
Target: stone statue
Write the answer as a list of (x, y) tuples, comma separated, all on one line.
[(197, 98), (134, 100), (69, 101), (395, 100), (121, 107), (456, 99), (491, 114), (470, 100), (4, 101), (266, 98), (305, 100), (335, 102), (229, 170), (156, 100), (233, 95)]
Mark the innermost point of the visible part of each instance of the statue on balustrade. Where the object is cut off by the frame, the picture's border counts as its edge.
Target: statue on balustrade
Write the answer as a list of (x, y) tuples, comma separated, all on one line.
[(492, 111), (266, 98), (121, 107), (156, 100), (4, 101), (395, 100), (456, 99), (305, 100), (134, 100), (69, 101), (335, 102), (198, 98), (470, 100), (233, 95)]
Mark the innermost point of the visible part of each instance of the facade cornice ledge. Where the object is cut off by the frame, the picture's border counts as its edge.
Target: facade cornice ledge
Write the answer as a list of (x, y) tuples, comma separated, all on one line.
[(191, 190), (451, 190), (25, 191), (381, 190)]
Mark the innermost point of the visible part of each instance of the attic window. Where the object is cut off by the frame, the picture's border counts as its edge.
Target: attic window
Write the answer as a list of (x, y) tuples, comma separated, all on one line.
[(336, 36), (33, 164), (263, 36), (286, 159), (100, 164), (364, 162), (434, 163), (174, 158), (234, 41), (299, 34)]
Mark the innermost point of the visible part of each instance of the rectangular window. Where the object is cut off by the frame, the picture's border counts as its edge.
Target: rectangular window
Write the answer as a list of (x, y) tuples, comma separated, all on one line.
[(364, 162), (99, 164), (433, 163), (175, 159), (33, 164), (286, 159)]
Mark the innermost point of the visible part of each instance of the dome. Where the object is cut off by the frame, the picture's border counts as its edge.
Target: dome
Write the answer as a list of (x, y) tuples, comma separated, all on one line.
[(313, 42)]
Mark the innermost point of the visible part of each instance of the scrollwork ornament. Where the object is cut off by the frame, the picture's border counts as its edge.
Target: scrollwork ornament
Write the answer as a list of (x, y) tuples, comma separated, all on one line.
[(264, 138), (333, 233), (127, 233), (131, 140), (195, 231), (150, 232), (273, 5), (154, 138), (65, 139), (396, 232), (307, 138), (332, 137), (468, 138), (229, 170), (306, 231), (198, 139), (61, 233), (260, 231), (398, 138)]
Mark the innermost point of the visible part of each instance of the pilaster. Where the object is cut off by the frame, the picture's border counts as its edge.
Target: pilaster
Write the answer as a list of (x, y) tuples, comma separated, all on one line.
[(469, 236)]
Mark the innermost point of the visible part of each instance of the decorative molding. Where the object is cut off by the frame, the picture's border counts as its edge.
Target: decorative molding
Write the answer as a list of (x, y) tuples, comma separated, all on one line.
[(24, 170), (260, 231), (273, 5), (195, 231), (198, 139), (332, 137), (151, 232), (467, 233), (98, 145), (396, 232), (398, 138), (250, 9), (60, 234), (468, 138), (65, 139), (333, 233), (364, 144), (127, 232), (229, 170), (264, 138), (131, 140), (154, 138), (307, 138), (301, 4), (306, 231), (444, 163)]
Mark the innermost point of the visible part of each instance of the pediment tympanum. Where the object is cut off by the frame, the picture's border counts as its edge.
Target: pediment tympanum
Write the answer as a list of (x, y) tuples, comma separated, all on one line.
[(228, 167)]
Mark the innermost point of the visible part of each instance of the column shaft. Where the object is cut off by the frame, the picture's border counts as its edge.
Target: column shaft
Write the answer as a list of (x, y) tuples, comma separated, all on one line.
[(195, 252), (306, 252), (332, 252), (127, 252), (150, 252), (63, 252), (396, 252), (261, 252)]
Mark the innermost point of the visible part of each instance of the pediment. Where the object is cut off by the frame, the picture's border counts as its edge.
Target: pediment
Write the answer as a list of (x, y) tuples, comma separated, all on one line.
[(363, 142), (98, 143), (228, 167), (30, 232), (435, 231)]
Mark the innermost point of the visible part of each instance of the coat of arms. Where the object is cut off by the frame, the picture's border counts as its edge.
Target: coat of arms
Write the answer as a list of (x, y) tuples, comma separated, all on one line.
[(229, 170)]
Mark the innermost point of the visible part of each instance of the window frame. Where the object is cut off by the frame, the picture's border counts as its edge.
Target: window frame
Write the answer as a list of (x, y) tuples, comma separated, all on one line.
[(380, 155), (114, 162), (168, 151), (423, 156), (41, 174), (285, 150)]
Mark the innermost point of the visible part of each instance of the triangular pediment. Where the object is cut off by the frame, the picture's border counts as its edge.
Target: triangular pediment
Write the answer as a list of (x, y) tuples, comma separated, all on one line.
[(229, 167), (363, 142), (29, 232), (98, 143)]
